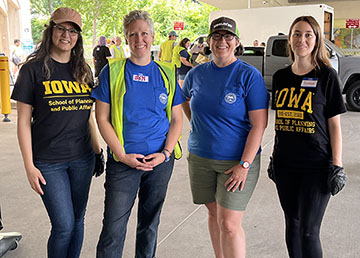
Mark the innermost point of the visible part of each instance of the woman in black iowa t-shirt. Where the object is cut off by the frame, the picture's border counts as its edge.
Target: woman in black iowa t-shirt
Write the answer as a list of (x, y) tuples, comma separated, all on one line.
[(55, 129), (308, 104)]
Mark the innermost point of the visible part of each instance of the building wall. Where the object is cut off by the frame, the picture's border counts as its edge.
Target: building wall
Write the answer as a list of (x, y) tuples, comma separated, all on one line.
[(15, 23)]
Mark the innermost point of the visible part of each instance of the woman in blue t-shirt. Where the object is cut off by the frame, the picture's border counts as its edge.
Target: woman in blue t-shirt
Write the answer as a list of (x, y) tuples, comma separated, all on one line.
[(56, 131), (141, 132), (227, 109)]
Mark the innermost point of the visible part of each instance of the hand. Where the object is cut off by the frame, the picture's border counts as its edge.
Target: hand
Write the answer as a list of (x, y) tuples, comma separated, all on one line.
[(154, 159), (237, 179), (99, 164), (35, 177), (136, 161)]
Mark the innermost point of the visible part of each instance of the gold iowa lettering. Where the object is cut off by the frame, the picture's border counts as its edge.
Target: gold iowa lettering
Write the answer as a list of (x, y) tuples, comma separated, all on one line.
[(294, 100), (59, 87)]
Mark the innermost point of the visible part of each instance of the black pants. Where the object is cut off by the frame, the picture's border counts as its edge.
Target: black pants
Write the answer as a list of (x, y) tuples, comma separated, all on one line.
[(303, 196)]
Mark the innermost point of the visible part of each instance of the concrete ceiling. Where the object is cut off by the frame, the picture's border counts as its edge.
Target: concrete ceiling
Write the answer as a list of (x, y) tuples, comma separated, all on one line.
[(343, 9)]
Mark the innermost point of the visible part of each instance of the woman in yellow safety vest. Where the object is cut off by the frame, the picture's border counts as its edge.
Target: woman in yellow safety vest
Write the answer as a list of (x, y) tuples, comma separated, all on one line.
[(140, 118), (185, 59)]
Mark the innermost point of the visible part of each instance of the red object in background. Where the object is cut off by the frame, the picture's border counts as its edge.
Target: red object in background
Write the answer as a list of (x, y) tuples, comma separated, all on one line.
[(352, 23), (179, 25)]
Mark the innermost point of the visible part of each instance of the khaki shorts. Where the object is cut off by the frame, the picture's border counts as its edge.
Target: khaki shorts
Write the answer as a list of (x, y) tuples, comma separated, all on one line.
[(207, 181)]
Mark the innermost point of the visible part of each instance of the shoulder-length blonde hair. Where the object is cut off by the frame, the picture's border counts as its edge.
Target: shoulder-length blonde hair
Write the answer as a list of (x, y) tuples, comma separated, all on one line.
[(319, 55)]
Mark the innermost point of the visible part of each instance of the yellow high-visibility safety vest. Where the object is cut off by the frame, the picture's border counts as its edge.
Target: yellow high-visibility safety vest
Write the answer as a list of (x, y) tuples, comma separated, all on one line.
[(167, 50), (176, 56), (118, 90), (118, 53)]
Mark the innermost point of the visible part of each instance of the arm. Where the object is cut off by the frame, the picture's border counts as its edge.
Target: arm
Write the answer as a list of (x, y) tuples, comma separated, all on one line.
[(335, 139), (94, 137), (112, 52), (24, 137), (172, 136), (102, 112), (186, 108), (258, 121), (186, 62)]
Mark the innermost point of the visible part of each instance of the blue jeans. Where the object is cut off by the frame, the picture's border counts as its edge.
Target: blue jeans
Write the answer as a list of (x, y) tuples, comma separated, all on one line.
[(121, 187), (65, 198)]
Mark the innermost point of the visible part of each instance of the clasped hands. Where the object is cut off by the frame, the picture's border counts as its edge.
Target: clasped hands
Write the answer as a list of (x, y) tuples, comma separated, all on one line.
[(141, 162)]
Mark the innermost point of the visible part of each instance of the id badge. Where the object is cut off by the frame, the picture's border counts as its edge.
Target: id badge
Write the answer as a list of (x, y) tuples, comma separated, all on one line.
[(309, 82)]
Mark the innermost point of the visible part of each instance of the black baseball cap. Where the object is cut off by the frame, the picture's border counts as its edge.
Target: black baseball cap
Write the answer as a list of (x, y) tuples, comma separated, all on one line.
[(224, 23)]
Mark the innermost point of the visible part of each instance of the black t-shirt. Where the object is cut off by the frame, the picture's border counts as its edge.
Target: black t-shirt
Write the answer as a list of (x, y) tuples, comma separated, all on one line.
[(61, 108), (303, 105), (184, 68), (100, 53)]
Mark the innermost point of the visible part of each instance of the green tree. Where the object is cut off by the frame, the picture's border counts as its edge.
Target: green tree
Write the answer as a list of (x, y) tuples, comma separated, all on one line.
[(41, 11), (104, 17)]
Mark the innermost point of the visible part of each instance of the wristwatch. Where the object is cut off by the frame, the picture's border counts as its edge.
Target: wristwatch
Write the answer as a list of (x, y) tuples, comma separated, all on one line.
[(167, 158), (245, 164)]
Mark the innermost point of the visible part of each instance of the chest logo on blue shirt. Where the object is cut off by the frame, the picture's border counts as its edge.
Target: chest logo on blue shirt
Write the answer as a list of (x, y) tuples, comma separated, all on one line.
[(140, 78), (163, 98), (230, 98)]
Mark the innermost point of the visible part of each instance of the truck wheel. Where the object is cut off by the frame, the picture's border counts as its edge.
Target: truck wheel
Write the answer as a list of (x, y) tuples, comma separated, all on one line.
[(353, 97)]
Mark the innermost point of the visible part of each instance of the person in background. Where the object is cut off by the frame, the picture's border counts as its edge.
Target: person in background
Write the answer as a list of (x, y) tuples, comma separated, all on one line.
[(256, 43), (308, 142), (100, 55), (56, 130), (185, 59), (139, 115), (166, 48), (228, 108), (116, 50), (16, 56), (196, 50), (262, 44)]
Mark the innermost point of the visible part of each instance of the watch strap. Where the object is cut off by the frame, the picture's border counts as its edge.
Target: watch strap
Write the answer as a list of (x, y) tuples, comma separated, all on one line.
[(167, 158)]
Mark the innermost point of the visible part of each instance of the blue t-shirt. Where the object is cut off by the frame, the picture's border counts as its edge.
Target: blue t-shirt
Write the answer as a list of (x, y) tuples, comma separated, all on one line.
[(220, 99), (145, 122)]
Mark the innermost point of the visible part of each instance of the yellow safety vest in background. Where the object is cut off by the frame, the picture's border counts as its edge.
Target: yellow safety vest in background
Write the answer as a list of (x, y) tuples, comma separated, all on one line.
[(118, 53), (167, 50), (176, 56)]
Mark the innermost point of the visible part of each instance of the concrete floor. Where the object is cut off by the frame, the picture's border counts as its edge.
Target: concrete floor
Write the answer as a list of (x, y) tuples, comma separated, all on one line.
[(183, 229)]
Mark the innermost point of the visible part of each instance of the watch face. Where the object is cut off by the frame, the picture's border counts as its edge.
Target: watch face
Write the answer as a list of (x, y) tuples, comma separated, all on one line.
[(246, 164)]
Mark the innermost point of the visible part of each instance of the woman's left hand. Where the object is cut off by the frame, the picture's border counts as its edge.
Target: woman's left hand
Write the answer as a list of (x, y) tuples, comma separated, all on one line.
[(237, 179), (154, 159)]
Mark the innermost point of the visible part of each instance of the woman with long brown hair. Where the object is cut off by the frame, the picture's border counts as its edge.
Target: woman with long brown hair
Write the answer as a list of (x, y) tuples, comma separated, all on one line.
[(308, 104), (56, 131)]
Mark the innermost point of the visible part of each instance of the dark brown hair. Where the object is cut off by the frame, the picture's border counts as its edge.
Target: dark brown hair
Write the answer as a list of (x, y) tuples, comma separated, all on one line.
[(183, 42)]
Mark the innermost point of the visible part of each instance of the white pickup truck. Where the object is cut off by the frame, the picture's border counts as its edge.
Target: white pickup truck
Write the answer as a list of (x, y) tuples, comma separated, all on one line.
[(276, 57)]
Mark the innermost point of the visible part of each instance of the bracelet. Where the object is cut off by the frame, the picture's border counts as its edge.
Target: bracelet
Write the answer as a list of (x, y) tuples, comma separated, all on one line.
[(167, 151), (166, 156)]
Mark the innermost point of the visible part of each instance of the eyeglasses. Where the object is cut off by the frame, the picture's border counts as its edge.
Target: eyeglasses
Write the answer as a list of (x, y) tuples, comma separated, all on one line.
[(60, 29), (227, 36)]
